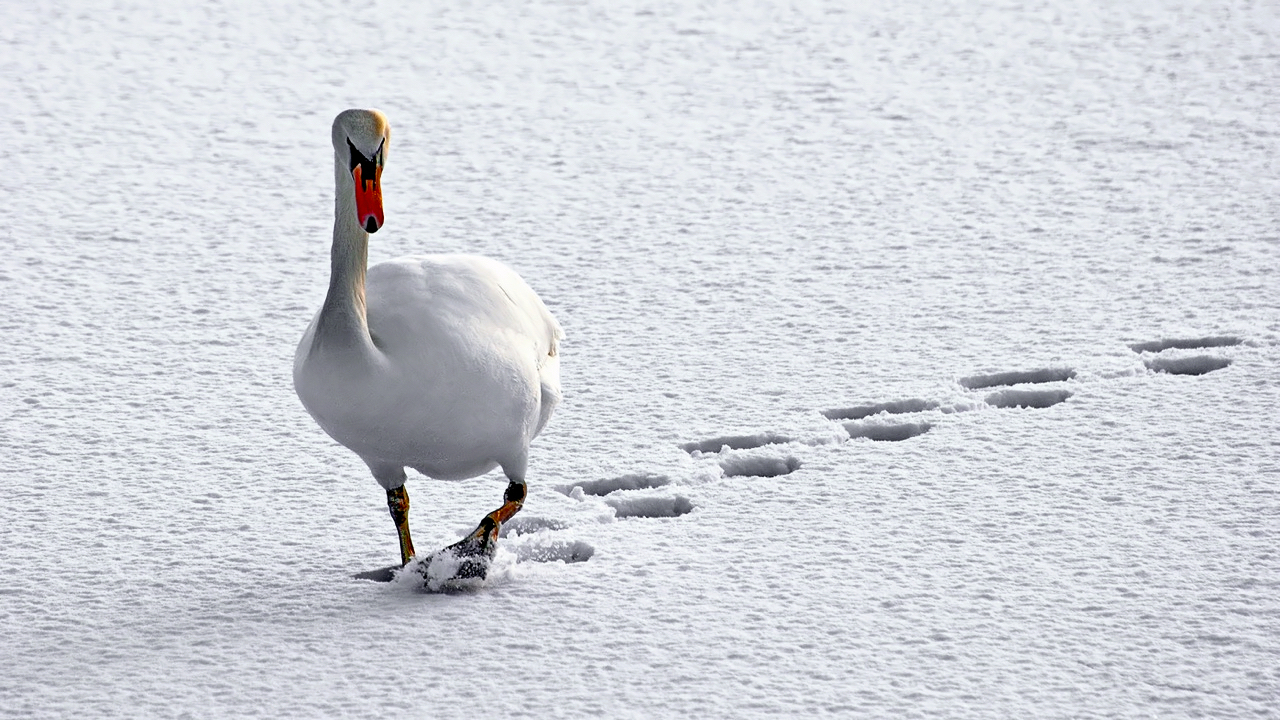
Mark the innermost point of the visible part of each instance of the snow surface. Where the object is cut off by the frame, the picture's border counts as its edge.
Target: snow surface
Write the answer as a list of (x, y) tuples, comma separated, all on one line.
[(746, 215)]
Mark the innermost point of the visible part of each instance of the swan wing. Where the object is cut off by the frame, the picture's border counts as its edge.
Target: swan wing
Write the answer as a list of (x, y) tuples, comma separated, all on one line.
[(478, 319)]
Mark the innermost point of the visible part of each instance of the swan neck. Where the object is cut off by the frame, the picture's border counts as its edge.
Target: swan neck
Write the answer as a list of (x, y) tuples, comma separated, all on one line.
[(344, 316)]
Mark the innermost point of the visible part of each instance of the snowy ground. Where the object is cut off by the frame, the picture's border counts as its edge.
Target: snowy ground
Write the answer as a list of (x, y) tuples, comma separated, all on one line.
[(744, 215)]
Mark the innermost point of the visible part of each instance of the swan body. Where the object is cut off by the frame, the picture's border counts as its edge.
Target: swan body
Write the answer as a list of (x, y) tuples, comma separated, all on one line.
[(459, 374), (446, 364)]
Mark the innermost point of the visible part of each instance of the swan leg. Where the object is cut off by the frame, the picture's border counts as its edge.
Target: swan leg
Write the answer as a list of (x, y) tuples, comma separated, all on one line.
[(469, 558), (398, 503), (484, 539)]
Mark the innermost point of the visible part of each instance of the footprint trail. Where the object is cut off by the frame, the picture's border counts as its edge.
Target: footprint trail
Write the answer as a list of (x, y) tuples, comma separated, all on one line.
[(761, 454)]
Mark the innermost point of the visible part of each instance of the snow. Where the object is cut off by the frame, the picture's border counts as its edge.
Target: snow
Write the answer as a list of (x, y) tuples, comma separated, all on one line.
[(811, 232)]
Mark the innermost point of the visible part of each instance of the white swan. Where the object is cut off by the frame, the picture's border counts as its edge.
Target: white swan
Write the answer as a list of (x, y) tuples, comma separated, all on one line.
[(442, 363)]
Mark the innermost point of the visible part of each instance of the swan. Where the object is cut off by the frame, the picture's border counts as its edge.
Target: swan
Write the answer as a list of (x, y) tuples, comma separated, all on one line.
[(446, 364)]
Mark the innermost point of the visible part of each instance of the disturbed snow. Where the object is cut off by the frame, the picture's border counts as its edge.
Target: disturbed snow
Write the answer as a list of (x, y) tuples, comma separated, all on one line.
[(920, 361)]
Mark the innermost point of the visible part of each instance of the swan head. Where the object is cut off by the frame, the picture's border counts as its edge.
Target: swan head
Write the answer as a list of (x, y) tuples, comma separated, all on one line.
[(360, 139)]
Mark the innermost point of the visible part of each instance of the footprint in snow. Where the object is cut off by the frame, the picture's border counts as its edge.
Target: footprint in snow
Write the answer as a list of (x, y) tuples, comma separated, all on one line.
[(887, 433), (859, 424), (530, 524), (746, 465), (638, 481), (894, 407), (758, 466), (735, 442), (650, 506), (626, 504), (1017, 377), (1211, 341), (566, 551), (1193, 365), (1197, 365), (1015, 397)]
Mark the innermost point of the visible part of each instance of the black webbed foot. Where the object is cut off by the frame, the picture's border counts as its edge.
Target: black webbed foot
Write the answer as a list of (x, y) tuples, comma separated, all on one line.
[(475, 551), (467, 559), (470, 557)]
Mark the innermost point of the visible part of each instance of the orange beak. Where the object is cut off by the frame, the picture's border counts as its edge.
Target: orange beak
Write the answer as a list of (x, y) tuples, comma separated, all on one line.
[(368, 198)]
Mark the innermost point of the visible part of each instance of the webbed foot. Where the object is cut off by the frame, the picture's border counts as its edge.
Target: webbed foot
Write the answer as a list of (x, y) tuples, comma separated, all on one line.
[(470, 557), (474, 552)]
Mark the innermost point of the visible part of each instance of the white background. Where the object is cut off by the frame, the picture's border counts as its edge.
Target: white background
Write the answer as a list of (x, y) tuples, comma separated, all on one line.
[(742, 214)]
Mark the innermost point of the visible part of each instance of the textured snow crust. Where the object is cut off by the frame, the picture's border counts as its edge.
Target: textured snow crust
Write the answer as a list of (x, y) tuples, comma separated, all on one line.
[(922, 359)]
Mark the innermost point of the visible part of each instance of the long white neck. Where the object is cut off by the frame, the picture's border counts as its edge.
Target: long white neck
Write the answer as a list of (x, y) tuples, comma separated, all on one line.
[(343, 322)]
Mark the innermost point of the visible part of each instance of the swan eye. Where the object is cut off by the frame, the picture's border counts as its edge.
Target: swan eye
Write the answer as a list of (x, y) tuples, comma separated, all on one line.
[(368, 166)]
